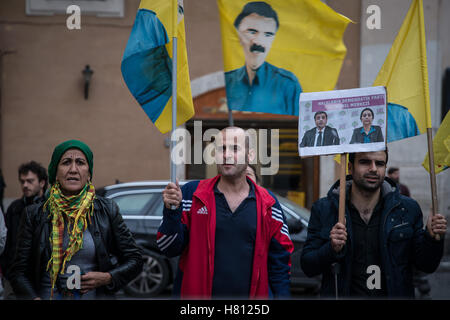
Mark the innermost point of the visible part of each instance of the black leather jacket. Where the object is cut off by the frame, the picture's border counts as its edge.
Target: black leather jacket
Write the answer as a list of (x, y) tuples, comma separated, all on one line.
[(115, 249), (12, 221)]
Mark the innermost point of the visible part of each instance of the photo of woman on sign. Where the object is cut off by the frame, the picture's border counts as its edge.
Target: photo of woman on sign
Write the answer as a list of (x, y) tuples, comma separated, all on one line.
[(368, 133)]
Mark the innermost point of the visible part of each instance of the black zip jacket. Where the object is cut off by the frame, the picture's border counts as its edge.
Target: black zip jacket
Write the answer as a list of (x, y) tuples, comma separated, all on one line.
[(404, 243), (12, 221), (115, 249)]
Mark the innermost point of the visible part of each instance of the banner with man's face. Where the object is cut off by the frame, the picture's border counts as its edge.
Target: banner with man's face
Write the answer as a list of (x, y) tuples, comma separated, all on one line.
[(274, 50)]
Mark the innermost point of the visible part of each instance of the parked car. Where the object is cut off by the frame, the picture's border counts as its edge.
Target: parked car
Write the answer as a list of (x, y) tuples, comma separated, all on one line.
[(141, 206)]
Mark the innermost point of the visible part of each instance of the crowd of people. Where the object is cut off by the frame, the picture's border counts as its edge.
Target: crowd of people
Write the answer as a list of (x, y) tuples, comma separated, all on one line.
[(229, 232)]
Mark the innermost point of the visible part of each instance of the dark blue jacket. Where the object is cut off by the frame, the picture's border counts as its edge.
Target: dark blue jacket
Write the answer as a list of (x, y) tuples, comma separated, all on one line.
[(403, 243)]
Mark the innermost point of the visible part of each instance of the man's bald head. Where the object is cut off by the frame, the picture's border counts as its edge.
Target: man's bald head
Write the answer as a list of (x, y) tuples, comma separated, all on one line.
[(232, 151), (238, 134)]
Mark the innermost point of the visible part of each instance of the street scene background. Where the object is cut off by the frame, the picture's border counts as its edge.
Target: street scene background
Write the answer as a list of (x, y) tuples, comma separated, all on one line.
[(43, 100)]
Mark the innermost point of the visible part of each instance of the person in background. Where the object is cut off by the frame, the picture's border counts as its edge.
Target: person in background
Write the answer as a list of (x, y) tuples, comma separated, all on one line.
[(394, 174), (3, 234), (251, 173), (2, 190), (3, 231), (33, 182)]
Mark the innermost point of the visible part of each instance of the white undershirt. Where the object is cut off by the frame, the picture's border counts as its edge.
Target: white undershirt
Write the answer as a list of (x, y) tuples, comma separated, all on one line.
[(317, 136)]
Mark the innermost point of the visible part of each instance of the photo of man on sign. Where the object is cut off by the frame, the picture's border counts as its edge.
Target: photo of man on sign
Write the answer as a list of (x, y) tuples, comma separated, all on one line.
[(352, 120), (321, 135)]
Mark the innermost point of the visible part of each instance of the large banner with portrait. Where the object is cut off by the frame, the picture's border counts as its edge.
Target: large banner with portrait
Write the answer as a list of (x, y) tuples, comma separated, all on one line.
[(273, 50), (341, 121)]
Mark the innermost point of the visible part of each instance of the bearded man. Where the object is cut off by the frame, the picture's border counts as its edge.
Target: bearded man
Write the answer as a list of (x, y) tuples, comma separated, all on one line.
[(373, 253)]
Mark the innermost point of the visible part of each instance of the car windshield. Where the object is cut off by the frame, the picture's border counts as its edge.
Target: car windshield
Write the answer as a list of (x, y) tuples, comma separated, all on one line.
[(304, 213)]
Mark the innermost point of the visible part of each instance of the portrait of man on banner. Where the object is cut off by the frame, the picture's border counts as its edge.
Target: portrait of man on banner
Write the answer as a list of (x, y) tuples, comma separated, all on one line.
[(321, 134), (274, 50), (259, 85)]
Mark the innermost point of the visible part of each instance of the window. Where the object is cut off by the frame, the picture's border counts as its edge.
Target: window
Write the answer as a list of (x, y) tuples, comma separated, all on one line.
[(134, 204), (100, 8), (157, 207)]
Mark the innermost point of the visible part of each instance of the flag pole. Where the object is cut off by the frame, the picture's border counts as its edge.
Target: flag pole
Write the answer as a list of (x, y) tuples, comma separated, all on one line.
[(335, 267), (173, 168), (342, 190), (230, 117), (434, 199), (423, 48)]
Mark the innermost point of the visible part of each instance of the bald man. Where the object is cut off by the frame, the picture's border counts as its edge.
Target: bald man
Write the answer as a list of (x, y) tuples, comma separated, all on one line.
[(231, 233)]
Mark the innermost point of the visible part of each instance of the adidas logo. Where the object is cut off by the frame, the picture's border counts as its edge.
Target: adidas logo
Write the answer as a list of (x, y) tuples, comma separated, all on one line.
[(202, 210)]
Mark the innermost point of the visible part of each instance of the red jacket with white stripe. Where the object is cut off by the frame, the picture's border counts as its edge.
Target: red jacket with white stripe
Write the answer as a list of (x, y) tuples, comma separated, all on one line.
[(190, 231)]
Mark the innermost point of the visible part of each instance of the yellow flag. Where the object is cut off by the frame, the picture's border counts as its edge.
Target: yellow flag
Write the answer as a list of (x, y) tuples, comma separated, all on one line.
[(441, 147), (185, 104), (405, 72), (147, 62), (165, 11), (273, 50)]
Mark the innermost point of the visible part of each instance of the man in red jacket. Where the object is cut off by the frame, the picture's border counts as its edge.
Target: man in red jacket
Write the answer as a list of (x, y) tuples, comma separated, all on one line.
[(231, 233)]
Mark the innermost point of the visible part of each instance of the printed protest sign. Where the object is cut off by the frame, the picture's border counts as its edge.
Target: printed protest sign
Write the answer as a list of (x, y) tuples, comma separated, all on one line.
[(342, 121)]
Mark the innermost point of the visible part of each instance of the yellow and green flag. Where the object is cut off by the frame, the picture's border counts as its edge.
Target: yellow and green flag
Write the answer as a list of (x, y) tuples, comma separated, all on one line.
[(441, 148), (147, 62), (273, 50), (405, 76)]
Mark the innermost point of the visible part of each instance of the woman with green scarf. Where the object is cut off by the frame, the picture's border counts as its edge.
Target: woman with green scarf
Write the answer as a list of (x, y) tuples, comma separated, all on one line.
[(74, 245)]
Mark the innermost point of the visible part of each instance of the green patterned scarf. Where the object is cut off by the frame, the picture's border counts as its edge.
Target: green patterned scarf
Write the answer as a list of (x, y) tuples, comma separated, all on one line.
[(77, 211)]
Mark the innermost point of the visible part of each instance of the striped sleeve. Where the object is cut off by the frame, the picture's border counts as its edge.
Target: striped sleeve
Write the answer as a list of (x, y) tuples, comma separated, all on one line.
[(186, 205), (280, 250), (277, 214), (173, 233)]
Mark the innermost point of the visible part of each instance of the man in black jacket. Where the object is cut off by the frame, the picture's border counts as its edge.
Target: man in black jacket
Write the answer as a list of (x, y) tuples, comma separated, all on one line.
[(33, 182), (321, 135), (381, 240)]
